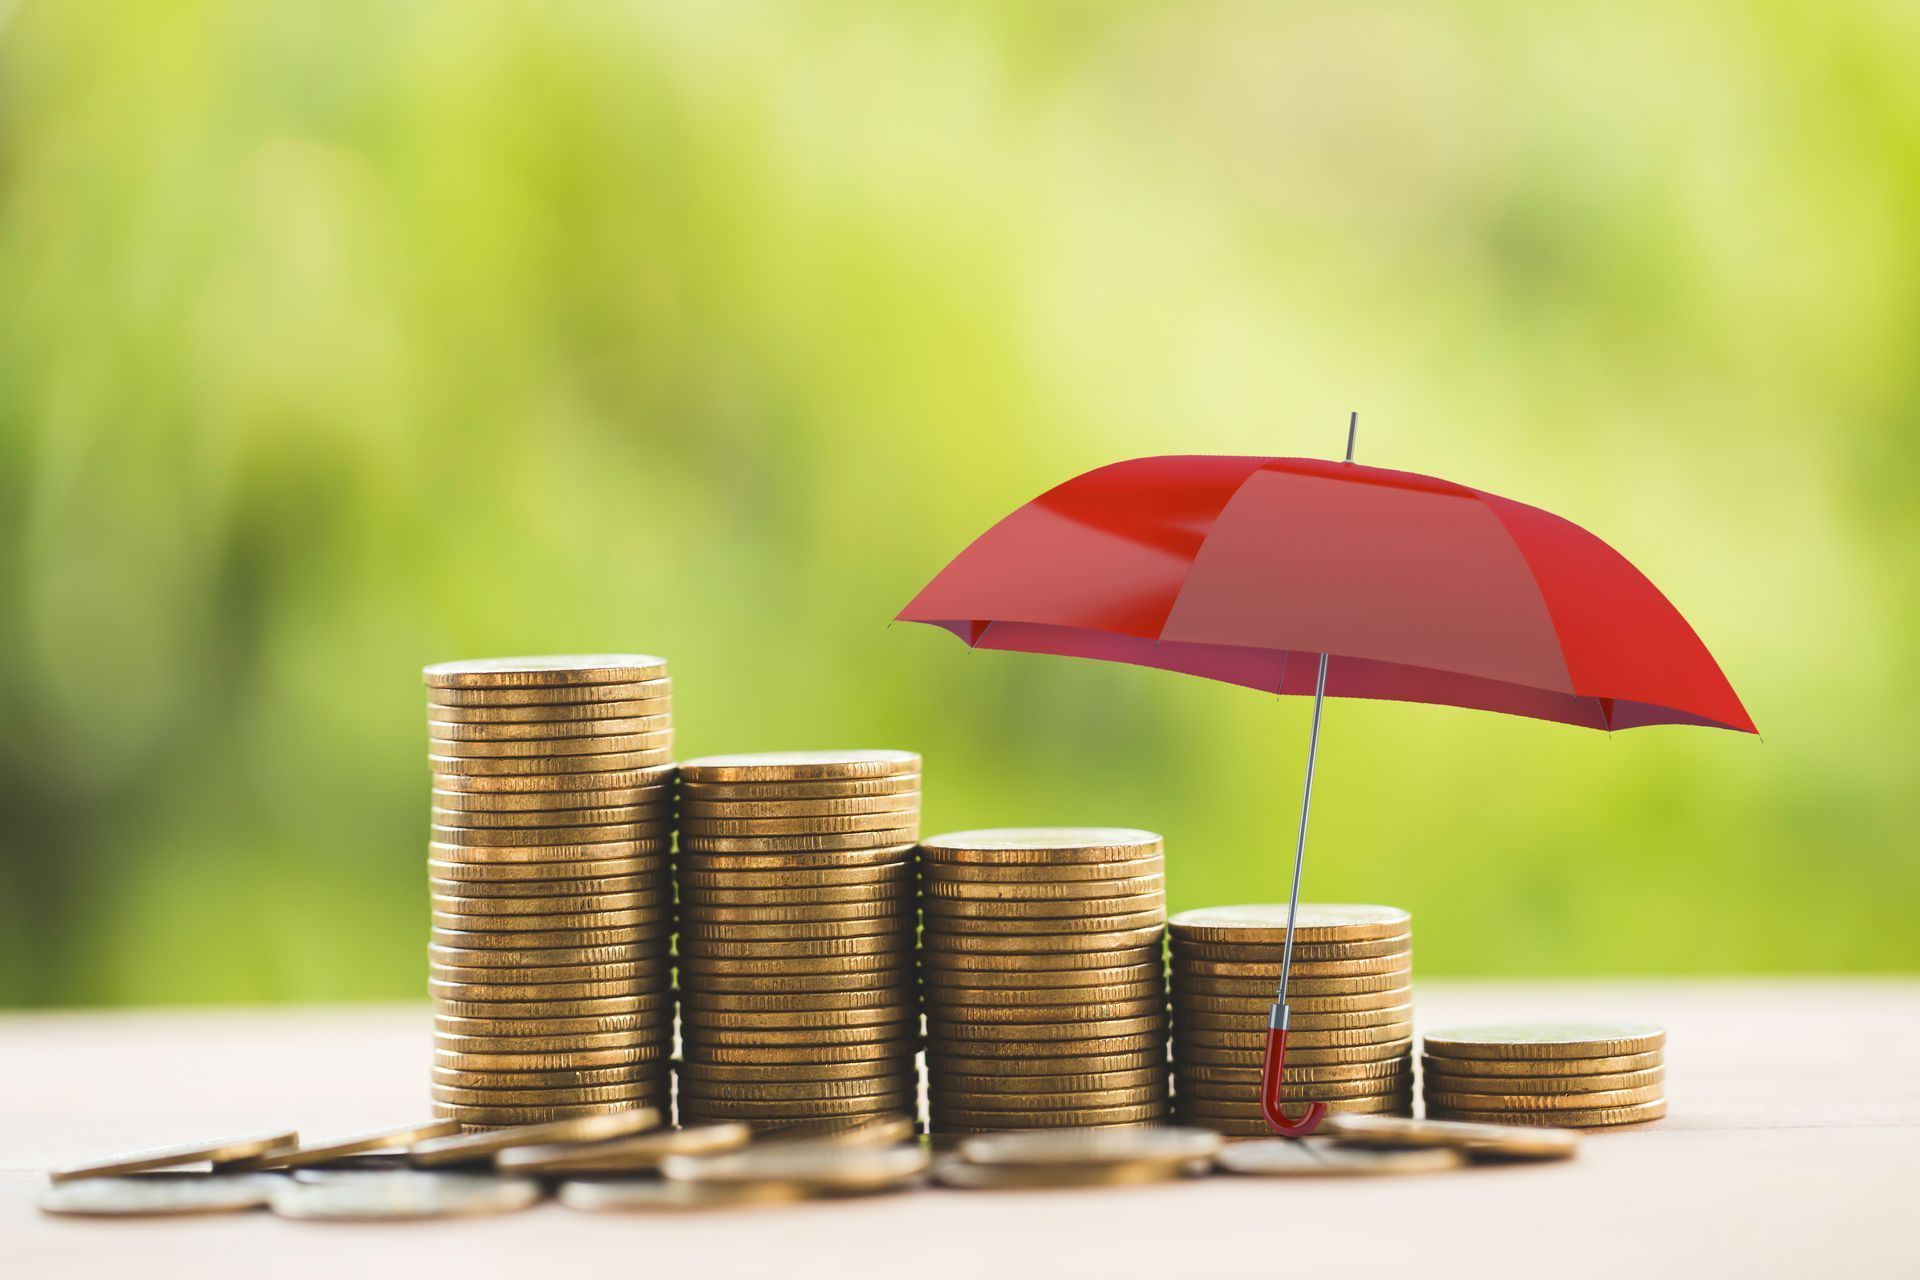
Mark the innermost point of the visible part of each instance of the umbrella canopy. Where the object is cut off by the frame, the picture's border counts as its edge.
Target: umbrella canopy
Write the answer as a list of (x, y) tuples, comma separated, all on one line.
[(1247, 569)]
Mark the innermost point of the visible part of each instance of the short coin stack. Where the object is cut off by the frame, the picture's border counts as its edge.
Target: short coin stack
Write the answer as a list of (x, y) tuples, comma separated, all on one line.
[(1576, 1075), (797, 916), (1043, 978), (551, 882), (1351, 997)]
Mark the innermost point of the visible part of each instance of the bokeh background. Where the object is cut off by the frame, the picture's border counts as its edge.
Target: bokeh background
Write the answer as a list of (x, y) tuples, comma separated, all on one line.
[(340, 338)]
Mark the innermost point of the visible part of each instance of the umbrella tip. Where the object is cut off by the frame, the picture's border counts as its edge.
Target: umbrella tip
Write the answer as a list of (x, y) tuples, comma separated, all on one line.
[(1353, 427)]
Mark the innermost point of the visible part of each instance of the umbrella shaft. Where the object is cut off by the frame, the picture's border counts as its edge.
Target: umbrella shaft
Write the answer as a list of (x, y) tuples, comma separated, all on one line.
[(1300, 845)]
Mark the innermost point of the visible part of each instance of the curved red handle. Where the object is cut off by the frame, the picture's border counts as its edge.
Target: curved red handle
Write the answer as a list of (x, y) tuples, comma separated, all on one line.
[(1273, 1071)]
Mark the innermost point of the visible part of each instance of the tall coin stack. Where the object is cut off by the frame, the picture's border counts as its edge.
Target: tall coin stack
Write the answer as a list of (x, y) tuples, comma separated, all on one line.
[(550, 875), (1578, 1075), (1043, 979), (1351, 1001), (797, 917)]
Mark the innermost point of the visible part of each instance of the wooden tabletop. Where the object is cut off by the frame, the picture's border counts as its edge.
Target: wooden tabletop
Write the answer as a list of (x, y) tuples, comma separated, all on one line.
[(1793, 1148)]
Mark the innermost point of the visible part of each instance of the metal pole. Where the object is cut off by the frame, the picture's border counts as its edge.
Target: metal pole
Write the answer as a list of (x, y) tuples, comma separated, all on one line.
[(1279, 1017)]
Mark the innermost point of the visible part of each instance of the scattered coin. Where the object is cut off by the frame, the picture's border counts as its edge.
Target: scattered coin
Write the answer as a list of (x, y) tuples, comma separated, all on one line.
[(217, 1151), (143, 1195), (1092, 1146), (1316, 1158), (675, 1197), (335, 1150), (403, 1195), (952, 1171), (477, 1148), (1479, 1141), (818, 1167), (641, 1153)]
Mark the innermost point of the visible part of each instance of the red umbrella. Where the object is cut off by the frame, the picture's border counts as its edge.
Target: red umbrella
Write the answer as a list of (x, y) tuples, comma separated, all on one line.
[(1293, 575)]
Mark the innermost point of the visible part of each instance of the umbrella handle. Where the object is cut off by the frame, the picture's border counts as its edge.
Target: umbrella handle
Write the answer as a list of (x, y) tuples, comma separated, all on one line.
[(1273, 1070)]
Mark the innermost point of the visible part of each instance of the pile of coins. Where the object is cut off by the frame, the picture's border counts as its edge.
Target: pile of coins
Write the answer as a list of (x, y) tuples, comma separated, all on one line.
[(797, 914), (1577, 1075), (550, 875), (1351, 1001), (1043, 978)]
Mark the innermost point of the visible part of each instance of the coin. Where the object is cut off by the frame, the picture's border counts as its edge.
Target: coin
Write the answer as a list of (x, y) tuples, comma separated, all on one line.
[(1201, 1052), (782, 1073), (216, 1151), (802, 807), (1298, 988), (806, 1050), (559, 755), (405, 1194), (157, 1194), (692, 878), (1044, 943), (444, 851), (577, 1078), (1599, 1117), (965, 1002), (1570, 1086), (643, 956), (1184, 950), (894, 1089), (508, 877), (655, 798), (1075, 891), (1545, 1040), (1066, 1146), (581, 921), (1313, 1158), (545, 671), (962, 1032), (479, 1147), (553, 695), (1478, 1141), (705, 1018), (701, 790), (310, 1154), (439, 730), (798, 766), (551, 940), (641, 1153), (888, 856), (1075, 915), (1302, 1024), (1397, 1067), (821, 1167), (1031, 845), (545, 1062), (606, 774), (952, 1171), (649, 707), (699, 948), (702, 826), (540, 1041), (511, 1117), (959, 1065), (629, 1094), (706, 1109), (1268, 971), (898, 837), (962, 966), (1036, 1117), (1258, 1005), (1318, 1091), (1543, 1068), (1267, 922), (1450, 1100), (1150, 1036), (675, 1197)]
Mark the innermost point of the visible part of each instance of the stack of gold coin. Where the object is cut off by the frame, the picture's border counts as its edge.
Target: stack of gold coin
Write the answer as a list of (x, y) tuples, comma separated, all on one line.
[(797, 914), (1042, 974), (550, 874), (1351, 1000), (1576, 1075)]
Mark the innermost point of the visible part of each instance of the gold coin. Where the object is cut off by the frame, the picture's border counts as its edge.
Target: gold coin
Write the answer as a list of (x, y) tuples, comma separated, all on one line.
[(647, 1196), (1202, 1020), (961, 1032), (961, 964), (627, 1094), (949, 1016), (699, 1038), (1567, 1086), (1065, 875), (1068, 1147), (454, 731), (552, 939), (1104, 944), (641, 1153), (561, 854), (1542, 1069), (1480, 1141), (1314, 1158), (1313, 922), (703, 828), (577, 1078), (900, 837), (890, 894), (604, 766), (537, 1039), (659, 705), (540, 755), (891, 923), (608, 887), (804, 1054), (805, 807), (819, 1166), (945, 1117), (888, 856), (657, 795), (953, 1098), (645, 1020), (1081, 893), (815, 985), (955, 912), (1208, 972), (1187, 1051), (1324, 1091), (1600, 1117), (1185, 952), (940, 1062), (558, 904), (551, 695), (891, 995), (799, 766), (886, 874), (216, 1151), (704, 1019), (1298, 987), (511, 1117), (551, 789), (1396, 1069), (1449, 1100), (1545, 1040), (148, 1195), (696, 948), (718, 918), (473, 1148), (1214, 1114), (547, 992), (308, 1155), (986, 1003), (694, 789), (582, 920), (1186, 1035), (643, 955), (527, 826), (944, 928), (951, 1171), (895, 1069), (1038, 980), (1041, 845), (951, 1084), (1151, 1038), (583, 1008), (1301, 1005), (495, 877), (802, 971), (710, 1109), (545, 671), (894, 1088)]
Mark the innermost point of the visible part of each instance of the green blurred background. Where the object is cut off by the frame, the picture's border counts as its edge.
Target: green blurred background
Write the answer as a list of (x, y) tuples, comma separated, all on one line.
[(339, 338)]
